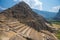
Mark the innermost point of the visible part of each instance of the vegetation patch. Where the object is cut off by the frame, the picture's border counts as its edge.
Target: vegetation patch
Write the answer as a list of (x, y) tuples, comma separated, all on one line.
[(55, 22), (57, 25), (58, 34)]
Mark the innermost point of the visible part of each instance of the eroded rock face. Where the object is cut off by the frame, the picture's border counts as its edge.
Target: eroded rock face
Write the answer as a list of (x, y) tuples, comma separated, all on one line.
[(21, 23)]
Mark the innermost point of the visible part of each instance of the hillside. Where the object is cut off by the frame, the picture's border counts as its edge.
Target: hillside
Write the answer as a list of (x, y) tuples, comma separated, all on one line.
[(56, 24), (21, 23)]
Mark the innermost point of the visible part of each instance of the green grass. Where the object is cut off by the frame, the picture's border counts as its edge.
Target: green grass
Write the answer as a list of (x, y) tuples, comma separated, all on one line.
[(58, 34), (57, 23)]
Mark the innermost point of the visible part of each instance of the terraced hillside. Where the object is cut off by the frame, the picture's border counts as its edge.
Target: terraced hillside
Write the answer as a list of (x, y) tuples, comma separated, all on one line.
[(21, 23)]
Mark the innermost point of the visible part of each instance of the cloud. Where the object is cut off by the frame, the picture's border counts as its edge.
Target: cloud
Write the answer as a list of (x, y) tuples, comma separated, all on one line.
[(35, 4), (55, 9), (2, 8)]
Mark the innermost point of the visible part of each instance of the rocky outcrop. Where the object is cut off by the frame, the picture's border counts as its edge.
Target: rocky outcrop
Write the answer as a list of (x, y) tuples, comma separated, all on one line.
[(21, 23)]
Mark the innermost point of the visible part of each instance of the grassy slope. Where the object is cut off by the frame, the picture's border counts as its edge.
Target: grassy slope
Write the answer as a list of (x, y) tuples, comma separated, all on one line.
[(58, 35), (57, 25)]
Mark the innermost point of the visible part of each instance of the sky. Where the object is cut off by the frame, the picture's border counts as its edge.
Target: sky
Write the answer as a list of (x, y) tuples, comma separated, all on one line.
[(44, 5)]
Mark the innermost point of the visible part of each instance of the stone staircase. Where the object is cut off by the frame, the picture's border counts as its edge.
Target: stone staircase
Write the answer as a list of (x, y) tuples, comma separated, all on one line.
[(15, 27), (19, 31), (19, 28)]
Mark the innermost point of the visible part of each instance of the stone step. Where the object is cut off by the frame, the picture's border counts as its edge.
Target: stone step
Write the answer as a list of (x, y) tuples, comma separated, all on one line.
[(29, 31), (22, 28), (24, 31), (19, 26)]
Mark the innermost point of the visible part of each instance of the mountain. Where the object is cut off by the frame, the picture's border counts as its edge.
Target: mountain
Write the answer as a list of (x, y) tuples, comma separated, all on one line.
[(24, 14), (45, 14), (20, 22), (57, 17), (0, 10)]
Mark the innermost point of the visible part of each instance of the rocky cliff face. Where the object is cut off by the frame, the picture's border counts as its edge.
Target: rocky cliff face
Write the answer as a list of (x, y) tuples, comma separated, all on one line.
[(21, 23)]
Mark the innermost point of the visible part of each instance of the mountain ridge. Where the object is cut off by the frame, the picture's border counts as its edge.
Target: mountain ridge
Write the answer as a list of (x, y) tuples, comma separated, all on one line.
[(57, 17), (21, 13), (50, 15), (25, 8)]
